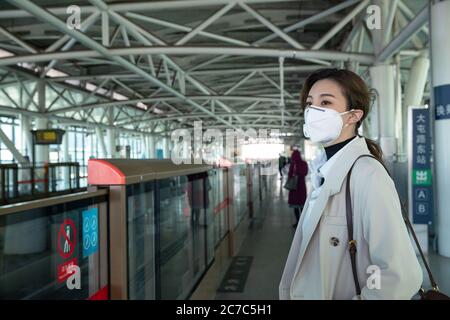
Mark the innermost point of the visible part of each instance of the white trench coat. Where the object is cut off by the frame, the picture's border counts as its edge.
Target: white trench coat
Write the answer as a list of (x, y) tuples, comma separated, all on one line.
[(318, 267)]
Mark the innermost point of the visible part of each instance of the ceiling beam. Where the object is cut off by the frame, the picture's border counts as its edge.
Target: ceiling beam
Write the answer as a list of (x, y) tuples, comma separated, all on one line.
[(135, 6), (198, 50), (88, 42), (170, 98), (404, 36), (215, 72), (200, 115)]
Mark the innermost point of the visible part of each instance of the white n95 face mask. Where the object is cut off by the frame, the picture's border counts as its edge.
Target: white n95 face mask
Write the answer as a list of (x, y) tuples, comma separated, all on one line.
[(322, 125)]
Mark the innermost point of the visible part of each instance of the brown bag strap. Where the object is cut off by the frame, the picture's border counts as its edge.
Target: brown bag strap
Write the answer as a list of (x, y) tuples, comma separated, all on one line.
[(427, 267), (352, 242)]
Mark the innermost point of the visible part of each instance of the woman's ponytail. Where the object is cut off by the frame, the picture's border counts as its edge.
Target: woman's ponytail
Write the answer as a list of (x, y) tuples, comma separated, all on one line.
[(374, 149)]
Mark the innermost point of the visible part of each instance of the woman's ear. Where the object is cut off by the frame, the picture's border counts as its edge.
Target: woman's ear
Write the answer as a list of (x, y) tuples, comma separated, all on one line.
[(356, 116)]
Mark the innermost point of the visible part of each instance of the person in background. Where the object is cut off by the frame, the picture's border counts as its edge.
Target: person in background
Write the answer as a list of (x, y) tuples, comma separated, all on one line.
[(298, 167), (281, 164)]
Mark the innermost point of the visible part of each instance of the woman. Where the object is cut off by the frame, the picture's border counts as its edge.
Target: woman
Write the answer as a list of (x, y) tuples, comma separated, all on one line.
[(297, 197), (336, 102)]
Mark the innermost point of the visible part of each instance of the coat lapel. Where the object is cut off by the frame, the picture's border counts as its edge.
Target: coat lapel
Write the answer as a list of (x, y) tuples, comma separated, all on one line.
[(316, 213), (338, 173)]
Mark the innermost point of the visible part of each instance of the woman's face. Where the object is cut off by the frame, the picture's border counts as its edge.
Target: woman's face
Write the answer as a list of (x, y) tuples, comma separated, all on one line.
[(327, 94)]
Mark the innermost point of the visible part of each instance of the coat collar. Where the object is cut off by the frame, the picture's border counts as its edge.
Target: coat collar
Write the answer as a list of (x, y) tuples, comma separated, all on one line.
[(338, 169)]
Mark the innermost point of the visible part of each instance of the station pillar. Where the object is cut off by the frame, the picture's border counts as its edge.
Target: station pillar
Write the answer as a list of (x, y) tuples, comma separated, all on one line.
[(41, 123), (27, 141), (151, 146), (382, 81)]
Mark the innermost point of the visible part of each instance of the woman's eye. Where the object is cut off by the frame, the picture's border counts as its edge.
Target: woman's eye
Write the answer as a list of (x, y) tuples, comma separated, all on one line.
[(325, 102), (308, 104)]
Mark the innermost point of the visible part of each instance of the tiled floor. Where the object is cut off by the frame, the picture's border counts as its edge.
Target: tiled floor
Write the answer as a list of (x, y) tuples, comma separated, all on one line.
[(269, 240)]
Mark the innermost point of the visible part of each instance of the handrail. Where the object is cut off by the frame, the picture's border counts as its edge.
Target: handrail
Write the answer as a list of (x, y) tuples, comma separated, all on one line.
[(19, 207), (36, 180), (8, 165), (62, 164)]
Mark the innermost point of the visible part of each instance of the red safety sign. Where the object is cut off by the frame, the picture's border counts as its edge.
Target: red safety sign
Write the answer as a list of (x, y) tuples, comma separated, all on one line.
[(65, 270), (67, 238)]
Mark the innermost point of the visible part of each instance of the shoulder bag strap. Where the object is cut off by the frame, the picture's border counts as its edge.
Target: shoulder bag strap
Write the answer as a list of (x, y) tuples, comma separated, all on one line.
[(352, 242)]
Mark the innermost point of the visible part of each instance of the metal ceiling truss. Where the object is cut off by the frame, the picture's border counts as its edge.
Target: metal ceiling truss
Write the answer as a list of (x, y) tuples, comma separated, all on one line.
[(208, 66)]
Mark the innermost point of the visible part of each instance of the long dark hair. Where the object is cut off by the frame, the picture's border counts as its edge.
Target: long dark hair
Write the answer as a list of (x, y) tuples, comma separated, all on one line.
[(355, 91)]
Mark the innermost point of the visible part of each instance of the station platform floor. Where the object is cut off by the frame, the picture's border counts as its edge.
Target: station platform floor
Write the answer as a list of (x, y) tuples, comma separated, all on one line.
[(268, 241)]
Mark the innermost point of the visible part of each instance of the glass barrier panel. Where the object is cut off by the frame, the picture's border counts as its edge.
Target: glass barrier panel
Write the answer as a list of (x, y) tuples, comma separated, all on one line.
[(255, 180), (182, 234), (24, 181), (59, 179), (212, 210), (141, 241), (82, 177), (236, 194), (211, 183), (12, 183), (223, 176), (240, 193), (40, 250), (220, 207), (264, 180), (8, 182), (40, 178), (244, 192), (3, 196), (83, 182)]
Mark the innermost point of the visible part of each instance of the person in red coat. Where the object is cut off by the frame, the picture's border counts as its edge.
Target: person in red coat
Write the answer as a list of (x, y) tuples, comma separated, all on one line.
[(297, 197)]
